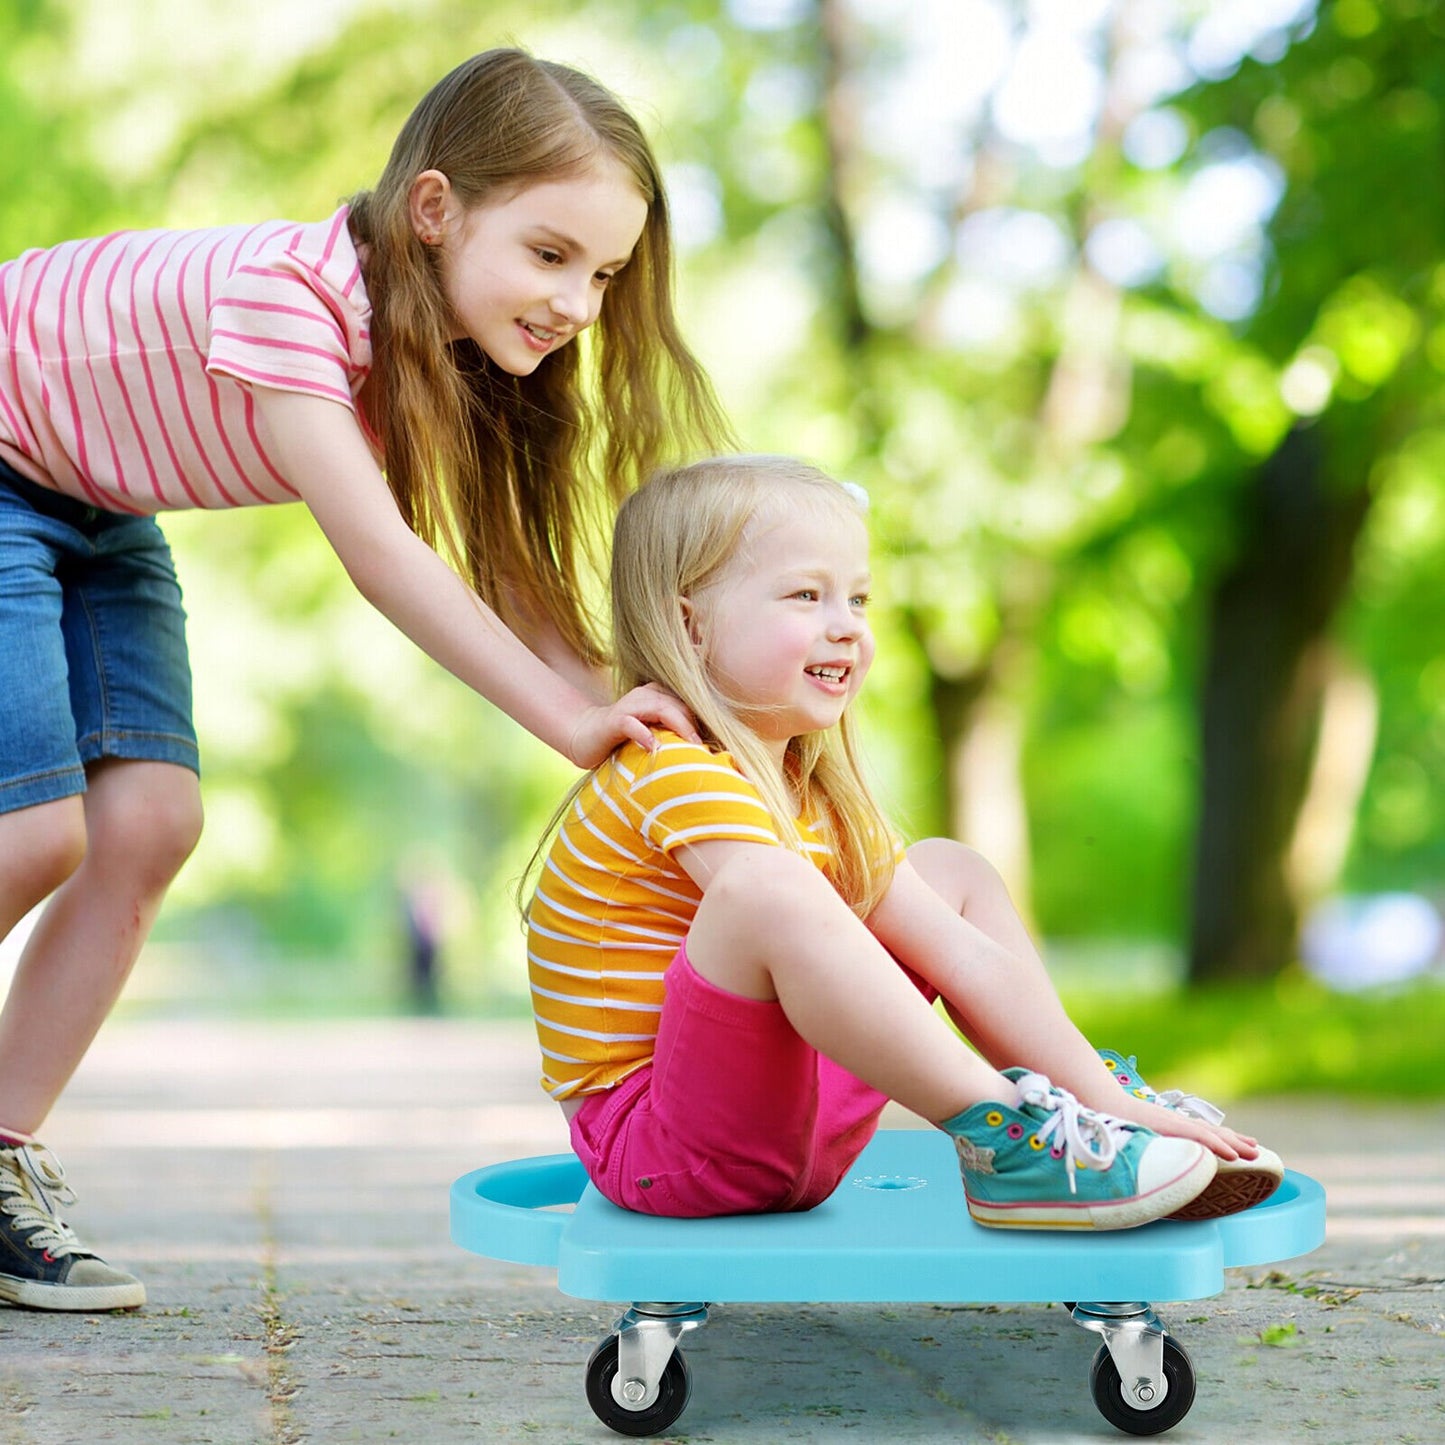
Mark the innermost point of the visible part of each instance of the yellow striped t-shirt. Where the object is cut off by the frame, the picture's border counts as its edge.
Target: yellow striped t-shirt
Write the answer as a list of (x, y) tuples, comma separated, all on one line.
[(612, 906)]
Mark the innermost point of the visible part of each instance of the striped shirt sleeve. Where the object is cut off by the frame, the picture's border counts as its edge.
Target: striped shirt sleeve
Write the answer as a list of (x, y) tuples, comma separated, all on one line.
[(683, 794), (289, 319)]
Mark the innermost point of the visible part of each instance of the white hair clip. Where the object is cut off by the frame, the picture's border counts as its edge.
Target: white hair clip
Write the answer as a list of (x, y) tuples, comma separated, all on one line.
[(857, 493)]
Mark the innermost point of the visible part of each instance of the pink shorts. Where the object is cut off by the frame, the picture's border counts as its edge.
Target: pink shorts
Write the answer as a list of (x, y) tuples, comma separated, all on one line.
[(734, 1114)]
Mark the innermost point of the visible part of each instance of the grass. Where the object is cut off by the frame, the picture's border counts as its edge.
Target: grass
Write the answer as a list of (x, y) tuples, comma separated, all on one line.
[(1287, 1036)]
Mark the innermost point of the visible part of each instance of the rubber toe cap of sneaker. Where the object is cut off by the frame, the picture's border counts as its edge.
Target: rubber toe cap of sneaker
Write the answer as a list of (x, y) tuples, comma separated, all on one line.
[(1167, 1159), (91, 1273), (1265, 1162)]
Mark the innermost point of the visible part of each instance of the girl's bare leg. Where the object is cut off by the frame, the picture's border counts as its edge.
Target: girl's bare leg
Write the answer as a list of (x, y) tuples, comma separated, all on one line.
[(40, 848), (135, 827), (1005, 1002), (770, 926)]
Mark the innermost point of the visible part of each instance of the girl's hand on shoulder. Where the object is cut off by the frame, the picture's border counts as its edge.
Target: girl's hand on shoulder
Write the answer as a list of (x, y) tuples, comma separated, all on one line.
[(630, 719)]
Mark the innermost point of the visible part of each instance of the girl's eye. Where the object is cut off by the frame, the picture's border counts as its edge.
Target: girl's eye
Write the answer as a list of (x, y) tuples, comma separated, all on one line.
[(548, 257), (806, 594), (860, 600), (603, 277)]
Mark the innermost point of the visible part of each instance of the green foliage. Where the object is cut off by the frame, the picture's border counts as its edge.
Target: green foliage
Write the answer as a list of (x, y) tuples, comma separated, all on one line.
[(1056, 462), (56, 189), (1288, 1036), (1114, 834)]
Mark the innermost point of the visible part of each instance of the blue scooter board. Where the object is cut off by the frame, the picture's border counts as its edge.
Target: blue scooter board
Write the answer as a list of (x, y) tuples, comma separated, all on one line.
[(895, 1230)]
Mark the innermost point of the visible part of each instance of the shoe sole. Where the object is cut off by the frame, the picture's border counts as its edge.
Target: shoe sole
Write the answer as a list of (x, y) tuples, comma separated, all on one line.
[(1095, 1214), (32, 1294), (1237, 1185)]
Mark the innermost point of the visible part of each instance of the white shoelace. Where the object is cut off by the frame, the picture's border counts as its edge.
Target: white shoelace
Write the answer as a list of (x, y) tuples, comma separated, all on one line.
[(32, 1186), (1189, 1104), (1087, 1137), (1192, 1105)]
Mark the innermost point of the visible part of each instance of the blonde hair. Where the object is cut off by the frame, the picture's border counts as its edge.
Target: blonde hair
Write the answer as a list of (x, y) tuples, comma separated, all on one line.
[(675, 538), (513, 478)]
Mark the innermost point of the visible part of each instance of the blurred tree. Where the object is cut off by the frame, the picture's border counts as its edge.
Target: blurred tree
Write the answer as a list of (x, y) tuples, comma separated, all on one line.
[(977, 338), (1126, 312), (1061, 385), (1216, 409), (1352, 117)]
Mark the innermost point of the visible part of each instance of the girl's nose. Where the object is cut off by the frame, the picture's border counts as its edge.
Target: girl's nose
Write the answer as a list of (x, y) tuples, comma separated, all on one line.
[(572, 302)]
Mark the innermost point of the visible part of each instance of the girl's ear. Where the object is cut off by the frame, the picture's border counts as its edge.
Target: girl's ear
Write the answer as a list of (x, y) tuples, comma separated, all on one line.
[(689, 621), (430, 203)]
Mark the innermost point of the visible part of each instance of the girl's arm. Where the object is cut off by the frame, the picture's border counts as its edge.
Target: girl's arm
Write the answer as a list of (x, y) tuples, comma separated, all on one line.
[(542, 638), (320, 450)]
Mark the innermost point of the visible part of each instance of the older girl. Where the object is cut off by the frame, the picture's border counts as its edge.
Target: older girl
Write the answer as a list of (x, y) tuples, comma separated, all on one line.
[(407, 368)]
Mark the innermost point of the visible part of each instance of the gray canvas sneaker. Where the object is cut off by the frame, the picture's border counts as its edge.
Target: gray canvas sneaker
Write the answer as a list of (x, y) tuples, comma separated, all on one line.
[(43, 1265)]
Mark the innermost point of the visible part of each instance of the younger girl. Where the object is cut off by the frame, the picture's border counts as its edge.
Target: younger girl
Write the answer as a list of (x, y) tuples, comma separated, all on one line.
[(402, 367), (732, 962)]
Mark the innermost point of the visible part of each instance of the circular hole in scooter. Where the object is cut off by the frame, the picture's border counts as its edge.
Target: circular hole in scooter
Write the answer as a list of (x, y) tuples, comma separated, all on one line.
[(889, 1181)]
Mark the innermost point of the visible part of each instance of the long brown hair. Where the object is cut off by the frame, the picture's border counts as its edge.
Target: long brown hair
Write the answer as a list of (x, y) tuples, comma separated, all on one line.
[(516, 479)]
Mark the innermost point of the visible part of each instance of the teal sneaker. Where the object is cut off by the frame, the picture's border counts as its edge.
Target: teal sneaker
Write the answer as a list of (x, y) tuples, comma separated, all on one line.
[(1238, 1184), (1047, 1162)]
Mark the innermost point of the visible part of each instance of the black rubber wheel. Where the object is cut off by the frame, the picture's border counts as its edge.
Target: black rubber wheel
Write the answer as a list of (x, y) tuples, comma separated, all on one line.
[(672, 1393), (1107, 1390)]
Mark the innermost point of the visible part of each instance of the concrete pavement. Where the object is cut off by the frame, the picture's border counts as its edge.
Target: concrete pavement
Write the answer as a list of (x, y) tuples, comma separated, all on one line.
[(283, 1191)]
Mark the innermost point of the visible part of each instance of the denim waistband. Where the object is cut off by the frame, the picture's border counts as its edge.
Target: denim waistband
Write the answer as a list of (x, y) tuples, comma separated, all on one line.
[(50, 503)]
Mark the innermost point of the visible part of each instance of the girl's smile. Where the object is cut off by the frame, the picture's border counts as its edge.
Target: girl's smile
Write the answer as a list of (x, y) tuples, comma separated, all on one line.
[(538, 337), (832, 679)]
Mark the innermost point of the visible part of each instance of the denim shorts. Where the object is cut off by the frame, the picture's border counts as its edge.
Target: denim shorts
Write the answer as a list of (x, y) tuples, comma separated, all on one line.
[(93, 660)]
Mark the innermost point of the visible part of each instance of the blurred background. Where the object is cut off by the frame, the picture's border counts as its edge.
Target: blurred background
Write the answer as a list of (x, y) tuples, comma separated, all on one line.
[(1129, 314)]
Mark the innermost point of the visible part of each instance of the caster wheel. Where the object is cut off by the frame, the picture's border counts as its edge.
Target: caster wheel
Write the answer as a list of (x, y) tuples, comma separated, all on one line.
[(1107, 1390), (672, 1393)]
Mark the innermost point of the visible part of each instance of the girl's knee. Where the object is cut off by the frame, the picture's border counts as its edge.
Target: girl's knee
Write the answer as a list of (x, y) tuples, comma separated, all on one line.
[(178, 832), (146, 828), (945, 861), (41, 847)]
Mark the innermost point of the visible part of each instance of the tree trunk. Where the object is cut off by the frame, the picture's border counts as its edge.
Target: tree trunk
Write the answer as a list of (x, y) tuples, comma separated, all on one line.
[(1264, 680), (955, 702)]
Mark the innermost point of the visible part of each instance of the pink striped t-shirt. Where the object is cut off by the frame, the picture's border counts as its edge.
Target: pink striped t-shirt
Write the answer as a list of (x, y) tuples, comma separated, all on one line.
[(127, 362)]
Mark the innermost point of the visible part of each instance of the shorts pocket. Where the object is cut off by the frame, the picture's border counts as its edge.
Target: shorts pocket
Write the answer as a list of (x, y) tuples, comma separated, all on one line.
[(705, 1191)]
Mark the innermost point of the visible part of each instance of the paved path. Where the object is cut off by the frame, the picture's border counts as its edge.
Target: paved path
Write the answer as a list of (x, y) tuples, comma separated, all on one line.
[(283, 1191)]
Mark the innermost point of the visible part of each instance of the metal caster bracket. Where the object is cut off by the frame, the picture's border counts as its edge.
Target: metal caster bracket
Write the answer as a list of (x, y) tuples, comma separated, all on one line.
[(1135, 1340), (647, 1335)]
